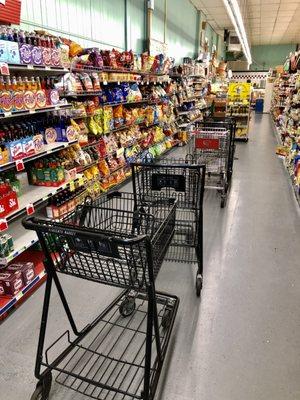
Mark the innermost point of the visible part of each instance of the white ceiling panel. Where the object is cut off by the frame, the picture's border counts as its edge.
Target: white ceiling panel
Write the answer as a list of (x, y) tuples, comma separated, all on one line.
[(266, 21)]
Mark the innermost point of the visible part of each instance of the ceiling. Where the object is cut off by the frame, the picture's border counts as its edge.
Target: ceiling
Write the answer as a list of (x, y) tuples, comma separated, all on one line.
[(266, 21)]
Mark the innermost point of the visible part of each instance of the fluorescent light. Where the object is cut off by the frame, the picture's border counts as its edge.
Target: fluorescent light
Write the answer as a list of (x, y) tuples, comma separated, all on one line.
[(235, 15)]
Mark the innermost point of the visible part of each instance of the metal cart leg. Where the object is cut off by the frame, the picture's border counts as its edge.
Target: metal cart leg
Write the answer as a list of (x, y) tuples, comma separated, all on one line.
[(44, 384), (199, 253)]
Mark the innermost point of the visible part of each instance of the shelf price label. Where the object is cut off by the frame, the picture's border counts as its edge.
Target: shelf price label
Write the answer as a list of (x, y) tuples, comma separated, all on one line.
[(20, 165), (30, 209), (3, 224)]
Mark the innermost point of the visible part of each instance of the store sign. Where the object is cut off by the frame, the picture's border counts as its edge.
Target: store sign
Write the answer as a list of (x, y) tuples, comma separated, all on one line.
[(239, 91)]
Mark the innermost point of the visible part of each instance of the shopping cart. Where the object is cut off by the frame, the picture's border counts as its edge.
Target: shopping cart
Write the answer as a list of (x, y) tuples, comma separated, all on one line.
[(229, 124), (176, 179), (212, 146), (119, 355)]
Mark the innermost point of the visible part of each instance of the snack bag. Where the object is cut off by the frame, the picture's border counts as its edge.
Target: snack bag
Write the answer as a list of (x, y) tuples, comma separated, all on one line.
[(86, 82), (127, 116), (134, 93), (103, 168), (118, 116), (95, 81), (149, 116), (108, 119)]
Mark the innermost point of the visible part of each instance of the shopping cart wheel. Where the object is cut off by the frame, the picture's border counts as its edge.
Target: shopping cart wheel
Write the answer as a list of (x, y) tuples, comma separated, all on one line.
[(127, 306), (166, 318), (42, 388), (198, 285)]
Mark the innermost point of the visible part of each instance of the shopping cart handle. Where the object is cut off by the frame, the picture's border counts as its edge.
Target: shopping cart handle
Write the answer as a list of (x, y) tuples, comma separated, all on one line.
[(114, 194), (29, 222)]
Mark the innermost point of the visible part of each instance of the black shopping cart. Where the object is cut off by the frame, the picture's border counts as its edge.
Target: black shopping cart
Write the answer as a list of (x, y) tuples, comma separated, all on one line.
[(229, 124), (119, 355), (211, 146), (176, 179)]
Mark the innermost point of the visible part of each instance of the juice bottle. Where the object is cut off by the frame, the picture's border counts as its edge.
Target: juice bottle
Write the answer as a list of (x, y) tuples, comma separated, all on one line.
[(2, 84), (21, 85), (8, 85), (14, 84), (27, 83), (33, 85), (38, 83)]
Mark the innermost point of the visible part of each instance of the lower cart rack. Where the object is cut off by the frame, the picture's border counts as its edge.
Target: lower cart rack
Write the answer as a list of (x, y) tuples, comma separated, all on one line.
[(109, 362)]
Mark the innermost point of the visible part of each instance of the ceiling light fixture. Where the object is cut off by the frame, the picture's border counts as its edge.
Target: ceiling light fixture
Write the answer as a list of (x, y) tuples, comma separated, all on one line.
[(234, 12)]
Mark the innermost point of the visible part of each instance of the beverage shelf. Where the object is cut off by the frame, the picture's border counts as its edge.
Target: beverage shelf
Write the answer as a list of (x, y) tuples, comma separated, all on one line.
[(23, 240), (21, 113), (36, 195), (39, 69), (6, 303)]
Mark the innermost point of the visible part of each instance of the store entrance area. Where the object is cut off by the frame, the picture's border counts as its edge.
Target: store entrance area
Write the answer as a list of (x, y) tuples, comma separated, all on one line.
[(241, 339)]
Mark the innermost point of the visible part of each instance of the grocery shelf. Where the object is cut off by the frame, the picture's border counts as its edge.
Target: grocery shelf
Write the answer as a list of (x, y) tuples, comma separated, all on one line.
[(23, 240), (35, 195), (191, 122), (21, 113), (6, 303), (40, 69), (49, 148), (186, 112)]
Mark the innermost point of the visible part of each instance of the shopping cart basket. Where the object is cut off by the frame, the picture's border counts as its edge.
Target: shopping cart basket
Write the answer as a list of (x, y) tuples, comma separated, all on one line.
[(229, 124), (211, 146), (119, 355), (176, 179)]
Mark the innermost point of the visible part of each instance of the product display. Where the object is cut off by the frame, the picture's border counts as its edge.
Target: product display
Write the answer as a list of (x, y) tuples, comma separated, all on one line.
[(124, 113), (286, 117), (238, 106)]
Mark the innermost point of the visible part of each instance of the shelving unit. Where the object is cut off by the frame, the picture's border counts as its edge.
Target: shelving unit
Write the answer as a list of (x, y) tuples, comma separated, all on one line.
[(286, 121), (38, 196), (238, 107)]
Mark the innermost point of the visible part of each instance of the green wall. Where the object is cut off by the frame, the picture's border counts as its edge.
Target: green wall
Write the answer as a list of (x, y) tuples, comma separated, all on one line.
[(268, 56), (106, 24)]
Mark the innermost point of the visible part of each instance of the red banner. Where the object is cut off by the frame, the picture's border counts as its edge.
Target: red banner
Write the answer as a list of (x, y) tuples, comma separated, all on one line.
[(10, 11), (207, 144)]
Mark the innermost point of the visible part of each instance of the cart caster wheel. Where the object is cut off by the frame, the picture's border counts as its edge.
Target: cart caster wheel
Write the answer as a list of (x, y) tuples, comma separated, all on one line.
[(42, 388), (223, 202), (198, 285), (166, 318), (127, 307)]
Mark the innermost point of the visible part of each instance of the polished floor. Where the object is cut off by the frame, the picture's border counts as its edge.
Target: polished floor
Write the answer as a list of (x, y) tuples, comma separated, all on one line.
[(241, 342)]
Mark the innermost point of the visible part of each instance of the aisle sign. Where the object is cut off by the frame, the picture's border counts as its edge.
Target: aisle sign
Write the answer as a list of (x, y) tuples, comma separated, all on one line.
[(239, 91)]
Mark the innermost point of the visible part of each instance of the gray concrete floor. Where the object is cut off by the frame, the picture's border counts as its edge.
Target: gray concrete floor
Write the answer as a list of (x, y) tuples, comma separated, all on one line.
[(241, 342)]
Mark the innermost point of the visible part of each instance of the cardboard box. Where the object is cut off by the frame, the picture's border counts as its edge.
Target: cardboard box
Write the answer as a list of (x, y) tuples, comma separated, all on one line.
[(12, 282), (26, 268)]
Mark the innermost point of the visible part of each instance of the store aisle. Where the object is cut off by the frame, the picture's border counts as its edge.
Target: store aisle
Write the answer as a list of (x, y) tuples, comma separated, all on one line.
[(242, 341)]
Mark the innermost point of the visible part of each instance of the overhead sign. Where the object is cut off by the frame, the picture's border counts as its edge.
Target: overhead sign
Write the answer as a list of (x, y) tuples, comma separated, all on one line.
[(239, 90)]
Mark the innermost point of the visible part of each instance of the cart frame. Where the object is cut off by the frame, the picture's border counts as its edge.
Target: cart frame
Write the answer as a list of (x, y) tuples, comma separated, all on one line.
[(176, 179), (157, 326)]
